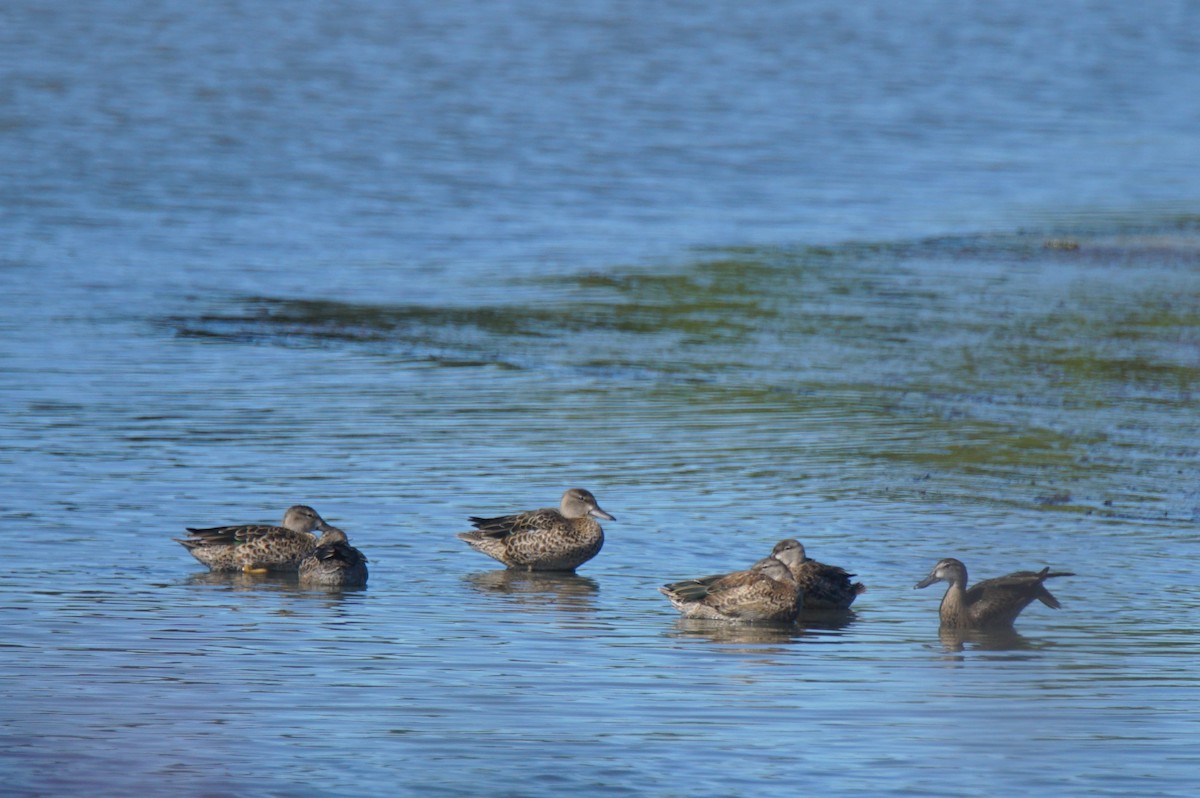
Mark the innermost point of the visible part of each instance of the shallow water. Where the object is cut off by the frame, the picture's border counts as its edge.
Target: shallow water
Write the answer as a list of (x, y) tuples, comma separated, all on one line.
[(901, 286)]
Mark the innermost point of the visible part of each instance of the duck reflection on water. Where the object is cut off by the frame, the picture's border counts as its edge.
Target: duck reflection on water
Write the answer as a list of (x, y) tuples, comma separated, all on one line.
[(271, 583), (538, 588), (245, 581), (742, 634), (817, 626), (1001, 638)]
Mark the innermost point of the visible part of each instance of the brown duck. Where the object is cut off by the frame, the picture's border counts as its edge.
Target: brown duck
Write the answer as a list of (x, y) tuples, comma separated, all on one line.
[(992, 602), (766, 591), (257, 547), (543, 540), (334, 562), (825, 587)]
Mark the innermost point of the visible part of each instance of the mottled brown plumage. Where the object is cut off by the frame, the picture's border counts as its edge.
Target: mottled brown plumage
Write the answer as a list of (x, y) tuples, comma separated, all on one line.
[(766, 592), (992, 602), (334, 562), (825, 587), (543, 540), (253, 547)]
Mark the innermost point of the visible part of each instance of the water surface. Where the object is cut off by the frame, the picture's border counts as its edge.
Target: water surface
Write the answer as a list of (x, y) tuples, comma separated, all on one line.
[(903, 285)]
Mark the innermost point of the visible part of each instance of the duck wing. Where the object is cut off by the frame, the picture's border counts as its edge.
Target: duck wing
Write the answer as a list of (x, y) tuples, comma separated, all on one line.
[(753, 596), (340, 553), (231, 535), (701, 588), (1001, 599), (504, 525)]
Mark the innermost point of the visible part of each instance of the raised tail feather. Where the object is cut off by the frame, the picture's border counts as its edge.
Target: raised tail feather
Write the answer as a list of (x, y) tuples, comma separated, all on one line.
[(1044, 595)]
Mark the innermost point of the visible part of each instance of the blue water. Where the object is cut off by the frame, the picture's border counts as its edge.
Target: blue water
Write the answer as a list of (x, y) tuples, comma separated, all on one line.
[(902, 282)]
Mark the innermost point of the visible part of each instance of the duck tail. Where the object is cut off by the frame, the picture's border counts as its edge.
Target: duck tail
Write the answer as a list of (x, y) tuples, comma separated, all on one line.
[(1047, 598), (1044, 595), (483, 543), (685, 591)]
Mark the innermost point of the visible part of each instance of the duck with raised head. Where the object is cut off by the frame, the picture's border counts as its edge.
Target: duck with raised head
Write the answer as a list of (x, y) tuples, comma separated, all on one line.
[(992, 602), (334, 562), (765, 592), (543, 540), (257, 548), (825, 587)]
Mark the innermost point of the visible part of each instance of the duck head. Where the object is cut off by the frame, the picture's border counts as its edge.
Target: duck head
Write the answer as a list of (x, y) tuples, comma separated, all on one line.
[(577, 503), (947, 570)]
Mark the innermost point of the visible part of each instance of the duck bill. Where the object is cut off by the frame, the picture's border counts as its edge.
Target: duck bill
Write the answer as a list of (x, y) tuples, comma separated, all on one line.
[(596, 512), (926, 582)]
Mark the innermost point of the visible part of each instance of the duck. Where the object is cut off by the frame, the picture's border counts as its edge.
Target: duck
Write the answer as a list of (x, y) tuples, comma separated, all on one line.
[(765, 592), (257, 548), (992, 602), (543, 540), (825, 587), (334, 562)]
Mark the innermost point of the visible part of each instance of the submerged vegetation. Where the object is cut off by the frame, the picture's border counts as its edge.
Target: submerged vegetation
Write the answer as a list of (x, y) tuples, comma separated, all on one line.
[(991, 368)]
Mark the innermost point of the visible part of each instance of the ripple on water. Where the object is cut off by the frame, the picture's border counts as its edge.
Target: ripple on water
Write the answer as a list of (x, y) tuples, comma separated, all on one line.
[(988, 398)]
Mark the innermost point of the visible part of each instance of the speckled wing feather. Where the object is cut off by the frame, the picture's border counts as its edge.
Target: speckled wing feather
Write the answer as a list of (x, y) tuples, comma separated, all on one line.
[(230, 535), (505, 525), (734, 583), (564, 546), (232, 548), (757, 598), (742, 595), (279, 551)]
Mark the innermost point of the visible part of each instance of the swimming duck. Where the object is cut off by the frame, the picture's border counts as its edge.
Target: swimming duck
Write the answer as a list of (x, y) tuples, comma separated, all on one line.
[(257, 548), (543, 540), (992, 602), (825, 587), (766, 591), (334, 562)]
